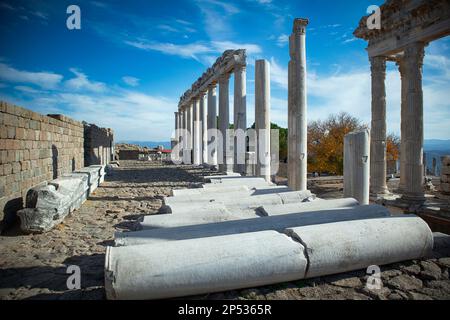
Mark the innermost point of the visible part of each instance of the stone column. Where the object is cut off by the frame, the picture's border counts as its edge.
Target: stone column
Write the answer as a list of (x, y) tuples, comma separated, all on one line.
[(357, 166), (378, 128), (204, 128), (196, 134), (262, 117), (411, 174), (186, 150), (212, 125), (297, 108), (240, 115), (224, 122), (176, 137), (190, 127)]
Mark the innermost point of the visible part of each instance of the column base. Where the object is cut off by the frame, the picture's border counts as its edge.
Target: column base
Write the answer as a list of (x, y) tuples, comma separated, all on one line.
[(414, 198)]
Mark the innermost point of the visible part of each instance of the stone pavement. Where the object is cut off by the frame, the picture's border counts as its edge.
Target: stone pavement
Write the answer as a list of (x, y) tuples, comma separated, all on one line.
[(34, 266)]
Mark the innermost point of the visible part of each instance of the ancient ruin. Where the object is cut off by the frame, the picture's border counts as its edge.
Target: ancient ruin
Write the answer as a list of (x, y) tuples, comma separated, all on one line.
[(213, 221), (407, 28)]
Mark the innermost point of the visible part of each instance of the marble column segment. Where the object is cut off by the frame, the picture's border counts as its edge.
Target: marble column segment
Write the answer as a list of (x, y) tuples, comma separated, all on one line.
[(357, 166), (224, 122), (176, 134), (190, 131), (262, 118), (185, 137), (212, 125), (197, 135), (297, 108), (412, 123), (204, 127), (240, 115), (378, 128), (199, 266)]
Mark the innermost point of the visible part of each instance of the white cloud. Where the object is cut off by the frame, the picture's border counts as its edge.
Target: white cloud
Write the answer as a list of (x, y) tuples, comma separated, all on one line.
[(205, 52), (278, 74), (221, 46), (216, 17), (26, 89), (351, 92), (191, 50), (167, 28), (349, 40), (282, 40), (132, 114), (46, 80), (131, 81), (5, 5), (81, 82), (40, 14)]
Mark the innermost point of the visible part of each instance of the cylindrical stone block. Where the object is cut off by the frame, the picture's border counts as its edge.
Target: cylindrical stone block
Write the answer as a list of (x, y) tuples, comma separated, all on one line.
[(200, 266), (357, 166)]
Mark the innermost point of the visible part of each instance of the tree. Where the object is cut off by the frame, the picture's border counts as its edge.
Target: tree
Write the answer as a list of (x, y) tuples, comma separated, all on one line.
[(282, 139), (392, 147), (326, 142)]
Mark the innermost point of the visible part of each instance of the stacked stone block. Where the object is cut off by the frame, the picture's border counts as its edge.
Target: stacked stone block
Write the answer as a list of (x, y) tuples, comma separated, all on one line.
[(98, 145), (34, 148), (445, 175)]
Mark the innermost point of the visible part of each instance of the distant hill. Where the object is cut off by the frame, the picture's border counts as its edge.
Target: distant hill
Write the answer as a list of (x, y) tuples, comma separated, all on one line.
[(148, 144), (437, 146)]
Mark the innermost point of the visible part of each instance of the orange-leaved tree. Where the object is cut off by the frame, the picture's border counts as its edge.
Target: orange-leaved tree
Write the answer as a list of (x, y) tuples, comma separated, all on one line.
[(392, 147), (326, 142)]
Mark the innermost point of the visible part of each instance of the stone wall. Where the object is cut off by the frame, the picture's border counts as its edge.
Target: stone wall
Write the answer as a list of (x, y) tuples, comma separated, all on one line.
[(34, 148), (445, 175), (129, 154), (98, 145)]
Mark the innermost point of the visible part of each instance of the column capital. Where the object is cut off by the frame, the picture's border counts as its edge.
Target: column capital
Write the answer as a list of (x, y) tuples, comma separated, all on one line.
[(378, 64), (240, 68), (414, 54), (300, 25), (224, 78)]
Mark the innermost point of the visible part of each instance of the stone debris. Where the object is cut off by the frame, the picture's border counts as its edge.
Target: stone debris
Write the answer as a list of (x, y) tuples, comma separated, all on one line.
[(245, 249), (34, 266), (47, 205)]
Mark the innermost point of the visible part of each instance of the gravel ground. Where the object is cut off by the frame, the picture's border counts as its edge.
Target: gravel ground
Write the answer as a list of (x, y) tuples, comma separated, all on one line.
[(34, 266)]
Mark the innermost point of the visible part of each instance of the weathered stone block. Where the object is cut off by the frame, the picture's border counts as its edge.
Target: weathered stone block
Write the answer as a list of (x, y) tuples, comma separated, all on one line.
[(445, 170)]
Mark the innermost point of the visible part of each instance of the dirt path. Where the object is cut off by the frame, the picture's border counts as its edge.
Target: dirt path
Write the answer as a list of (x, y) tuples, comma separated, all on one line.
[(34, 266)]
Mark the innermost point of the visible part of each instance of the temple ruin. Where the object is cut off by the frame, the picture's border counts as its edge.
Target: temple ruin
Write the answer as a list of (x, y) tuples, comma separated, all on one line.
[(215, 220), (406, 29)]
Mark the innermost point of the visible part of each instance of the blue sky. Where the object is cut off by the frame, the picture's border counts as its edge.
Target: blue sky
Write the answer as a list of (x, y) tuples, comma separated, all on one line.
[(130, 62)]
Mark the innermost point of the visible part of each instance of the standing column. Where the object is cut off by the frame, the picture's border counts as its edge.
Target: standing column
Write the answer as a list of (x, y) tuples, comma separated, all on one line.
[(176, 138), (186, 150), (212, 125), (182, 137), (412, 124), (357, 166), (378, 128), (204, 128), (297, 108), (224, 123), (240, 116), (262, 117), (196, 134), (190, 131)]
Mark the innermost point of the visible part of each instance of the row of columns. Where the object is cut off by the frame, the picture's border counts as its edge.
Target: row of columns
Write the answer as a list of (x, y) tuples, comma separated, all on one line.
[(410, 65), (297, 116), (199, 116)]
